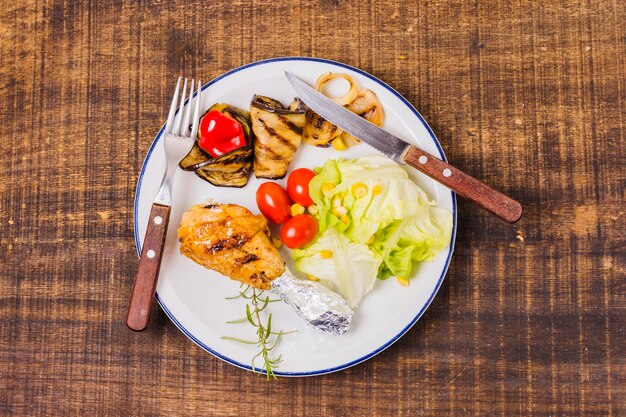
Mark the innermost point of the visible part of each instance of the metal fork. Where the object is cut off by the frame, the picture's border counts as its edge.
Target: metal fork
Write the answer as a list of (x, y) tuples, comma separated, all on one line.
[(177, 142)]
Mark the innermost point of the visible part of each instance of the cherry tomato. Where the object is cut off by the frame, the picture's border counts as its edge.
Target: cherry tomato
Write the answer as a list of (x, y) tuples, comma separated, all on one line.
[(298, 231), (298, 186), (273, 202)]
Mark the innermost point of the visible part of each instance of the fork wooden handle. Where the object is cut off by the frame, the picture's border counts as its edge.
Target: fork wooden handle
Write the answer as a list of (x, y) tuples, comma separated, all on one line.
[(464, 184), (142, 299)]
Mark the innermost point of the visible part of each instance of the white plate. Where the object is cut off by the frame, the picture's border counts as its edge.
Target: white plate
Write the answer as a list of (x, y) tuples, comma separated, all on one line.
[(194, 298)]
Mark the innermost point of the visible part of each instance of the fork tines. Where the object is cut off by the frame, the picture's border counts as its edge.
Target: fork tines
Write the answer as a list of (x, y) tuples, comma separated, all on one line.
[(177, 122)]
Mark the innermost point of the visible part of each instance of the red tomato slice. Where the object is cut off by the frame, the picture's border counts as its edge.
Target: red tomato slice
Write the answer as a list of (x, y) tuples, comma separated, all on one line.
[(298, 231), (273, 202), (298, 186)]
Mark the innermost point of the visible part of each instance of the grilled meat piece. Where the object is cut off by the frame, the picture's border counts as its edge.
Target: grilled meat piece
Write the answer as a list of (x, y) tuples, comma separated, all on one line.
[(278, 133), (229, 239)]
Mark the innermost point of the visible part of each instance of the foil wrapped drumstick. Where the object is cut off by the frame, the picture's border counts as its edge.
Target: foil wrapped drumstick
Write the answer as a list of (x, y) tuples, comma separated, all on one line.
[(231, 240)]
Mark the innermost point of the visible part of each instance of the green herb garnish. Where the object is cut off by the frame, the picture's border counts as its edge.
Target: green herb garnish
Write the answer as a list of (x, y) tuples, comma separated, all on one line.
[(265, 342)]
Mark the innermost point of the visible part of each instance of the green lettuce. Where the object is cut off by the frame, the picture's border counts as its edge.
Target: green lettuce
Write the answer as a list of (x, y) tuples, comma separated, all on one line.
[(345, 267), (417, 238), (394, 219), (398, 198)]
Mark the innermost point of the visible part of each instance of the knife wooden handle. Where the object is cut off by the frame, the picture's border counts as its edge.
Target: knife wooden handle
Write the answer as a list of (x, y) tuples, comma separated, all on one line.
[(464, 184), (142, 299)]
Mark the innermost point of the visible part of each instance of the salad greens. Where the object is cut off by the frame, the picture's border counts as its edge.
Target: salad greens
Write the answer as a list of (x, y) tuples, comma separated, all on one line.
[(374, 220), (346, 267)]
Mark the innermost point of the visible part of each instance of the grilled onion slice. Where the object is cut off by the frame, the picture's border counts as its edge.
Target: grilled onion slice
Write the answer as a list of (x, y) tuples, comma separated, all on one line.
[(347, 98), (320, 132), (368, 106)]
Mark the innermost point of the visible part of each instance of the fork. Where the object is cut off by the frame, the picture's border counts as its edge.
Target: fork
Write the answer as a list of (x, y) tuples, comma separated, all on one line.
[(176, 145)]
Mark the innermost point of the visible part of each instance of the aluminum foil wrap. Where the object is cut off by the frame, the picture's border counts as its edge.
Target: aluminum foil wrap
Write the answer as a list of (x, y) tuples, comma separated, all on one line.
[(322, 308)]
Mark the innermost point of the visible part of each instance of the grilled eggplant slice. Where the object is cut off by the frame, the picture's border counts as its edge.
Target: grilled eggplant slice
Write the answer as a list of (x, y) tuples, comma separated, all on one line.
[(237, 178), (231, 169), (278, 133), (196, 158)]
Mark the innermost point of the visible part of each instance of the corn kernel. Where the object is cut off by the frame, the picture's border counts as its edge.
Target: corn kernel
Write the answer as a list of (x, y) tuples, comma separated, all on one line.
[(336, 202), (328, 188), (376, 189), (339, 144), (297, 209), (312, 278), (371, 240), (325, 254), (345, 219), (359, 190), (403, 281), (339, 211), (277, 243), (313, 210)]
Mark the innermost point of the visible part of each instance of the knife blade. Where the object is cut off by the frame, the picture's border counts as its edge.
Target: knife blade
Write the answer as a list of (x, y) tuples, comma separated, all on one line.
[(402, 152)]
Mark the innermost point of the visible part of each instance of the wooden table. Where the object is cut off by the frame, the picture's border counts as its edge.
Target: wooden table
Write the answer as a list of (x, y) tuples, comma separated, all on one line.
[(530, 97)]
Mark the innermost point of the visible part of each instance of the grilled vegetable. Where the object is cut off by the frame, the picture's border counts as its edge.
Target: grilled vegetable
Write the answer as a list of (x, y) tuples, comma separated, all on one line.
[(221, 175), (278, 132), (230, 169), (320, 132), (220, 134), (368, 106)]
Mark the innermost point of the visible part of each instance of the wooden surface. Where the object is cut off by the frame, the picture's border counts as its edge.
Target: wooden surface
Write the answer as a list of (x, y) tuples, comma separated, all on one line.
[(529, 96), (464, 185)]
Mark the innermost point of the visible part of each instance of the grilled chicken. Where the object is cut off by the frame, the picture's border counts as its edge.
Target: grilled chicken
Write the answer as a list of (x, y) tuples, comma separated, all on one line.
[(278, 133), (229, 239)]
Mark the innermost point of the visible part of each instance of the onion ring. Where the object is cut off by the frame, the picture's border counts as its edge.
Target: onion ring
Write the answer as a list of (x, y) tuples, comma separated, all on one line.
[(347, 98)]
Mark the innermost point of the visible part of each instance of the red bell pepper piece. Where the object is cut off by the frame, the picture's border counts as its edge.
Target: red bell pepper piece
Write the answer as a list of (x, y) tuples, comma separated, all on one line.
[(219, 134)]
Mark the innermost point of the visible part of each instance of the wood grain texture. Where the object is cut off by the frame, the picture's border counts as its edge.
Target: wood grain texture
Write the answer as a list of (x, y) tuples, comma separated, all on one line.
[(464, 185), (528, 96)]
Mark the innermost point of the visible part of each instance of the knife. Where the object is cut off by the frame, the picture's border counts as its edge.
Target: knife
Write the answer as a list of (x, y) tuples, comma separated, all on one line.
[(400, 151)]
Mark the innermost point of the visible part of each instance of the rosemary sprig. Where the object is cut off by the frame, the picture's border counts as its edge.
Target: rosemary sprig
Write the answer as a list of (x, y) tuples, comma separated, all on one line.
[(265, 342)]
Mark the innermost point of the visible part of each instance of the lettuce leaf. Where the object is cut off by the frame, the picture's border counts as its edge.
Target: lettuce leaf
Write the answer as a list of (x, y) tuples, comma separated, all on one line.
[(345, 267), (393, 221), (417, 238), (397, 199)]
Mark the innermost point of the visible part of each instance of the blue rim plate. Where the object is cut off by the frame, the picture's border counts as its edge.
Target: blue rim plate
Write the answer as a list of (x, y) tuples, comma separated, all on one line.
[(172, 293)]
